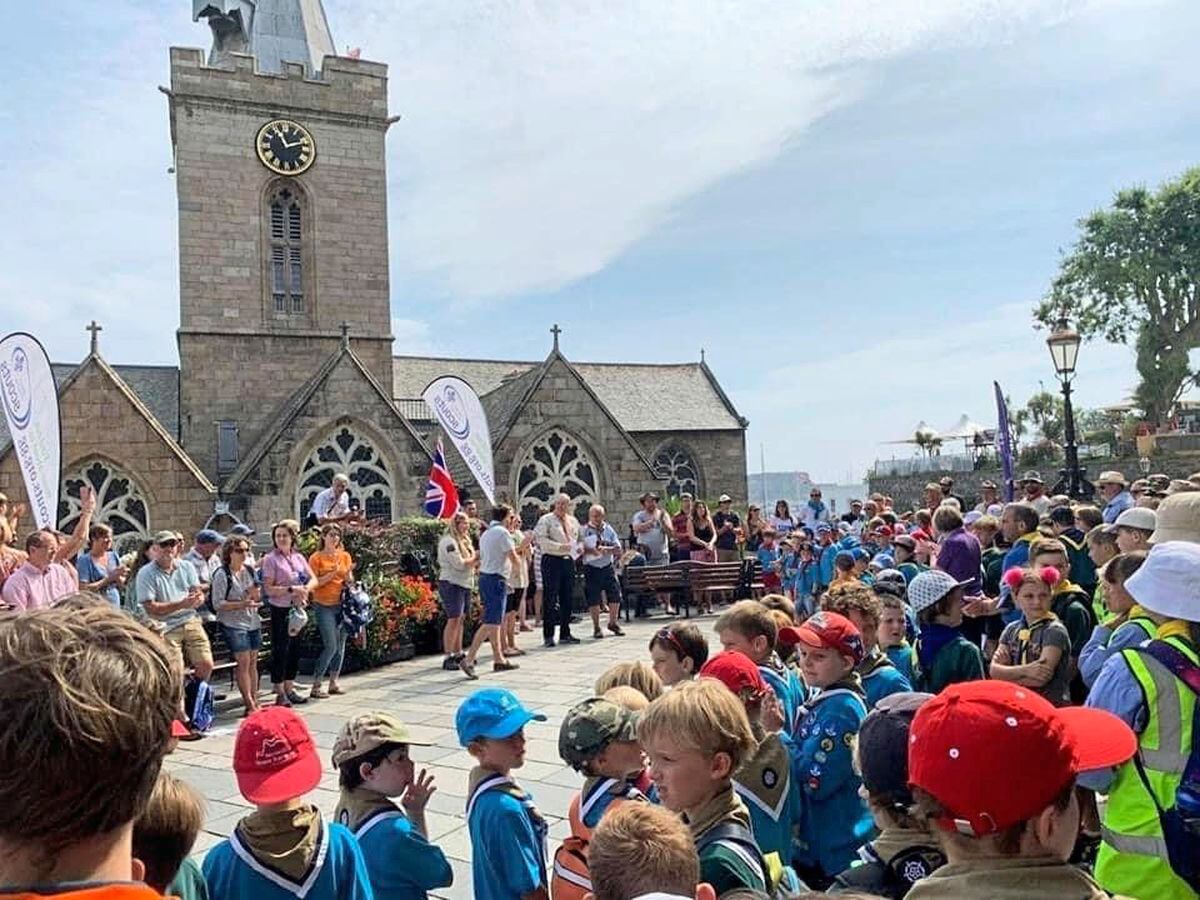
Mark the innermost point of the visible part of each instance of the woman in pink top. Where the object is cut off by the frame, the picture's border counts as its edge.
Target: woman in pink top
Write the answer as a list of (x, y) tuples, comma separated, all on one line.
[(287, 580)]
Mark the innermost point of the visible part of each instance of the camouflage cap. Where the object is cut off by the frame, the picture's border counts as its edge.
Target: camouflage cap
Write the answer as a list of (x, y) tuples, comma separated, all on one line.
[(365, 732), (592, 725)]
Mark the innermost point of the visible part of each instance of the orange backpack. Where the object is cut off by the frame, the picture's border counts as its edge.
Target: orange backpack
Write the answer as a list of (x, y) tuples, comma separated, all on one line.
[(570, 879)]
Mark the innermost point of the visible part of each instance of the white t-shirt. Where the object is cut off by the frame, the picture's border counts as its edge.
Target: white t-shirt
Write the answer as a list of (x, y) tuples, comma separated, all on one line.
[(325, 505), (494, 547)]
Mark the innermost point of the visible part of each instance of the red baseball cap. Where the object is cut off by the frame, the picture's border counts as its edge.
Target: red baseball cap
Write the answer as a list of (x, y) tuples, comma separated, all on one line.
[(178, 729), (833, 631), (972, 743), (736, 671), (274, 756)]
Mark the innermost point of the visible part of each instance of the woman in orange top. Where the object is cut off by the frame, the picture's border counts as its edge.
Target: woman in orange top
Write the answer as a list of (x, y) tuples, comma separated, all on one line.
[(333, 569)]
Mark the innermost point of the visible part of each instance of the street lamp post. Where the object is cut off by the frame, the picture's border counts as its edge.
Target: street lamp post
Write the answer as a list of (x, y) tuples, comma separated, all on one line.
[(1064, 344)]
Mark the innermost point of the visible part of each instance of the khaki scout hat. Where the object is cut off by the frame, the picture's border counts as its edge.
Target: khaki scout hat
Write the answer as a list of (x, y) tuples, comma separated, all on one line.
[(364, 733)]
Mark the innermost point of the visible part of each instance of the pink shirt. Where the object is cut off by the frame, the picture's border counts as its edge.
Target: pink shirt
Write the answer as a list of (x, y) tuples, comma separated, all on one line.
[(30, 588)]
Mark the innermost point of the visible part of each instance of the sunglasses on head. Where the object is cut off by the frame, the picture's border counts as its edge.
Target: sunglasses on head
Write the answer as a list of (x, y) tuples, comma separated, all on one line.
[(668, 636)]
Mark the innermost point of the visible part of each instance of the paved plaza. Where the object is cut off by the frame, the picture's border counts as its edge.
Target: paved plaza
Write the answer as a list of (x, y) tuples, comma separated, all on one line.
[(425, 697)]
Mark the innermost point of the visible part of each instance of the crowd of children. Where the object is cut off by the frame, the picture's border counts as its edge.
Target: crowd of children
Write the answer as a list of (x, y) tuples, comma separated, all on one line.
[(868, 746)]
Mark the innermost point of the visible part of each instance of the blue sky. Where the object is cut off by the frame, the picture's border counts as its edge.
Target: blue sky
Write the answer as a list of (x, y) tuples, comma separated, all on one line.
[(851, 205)]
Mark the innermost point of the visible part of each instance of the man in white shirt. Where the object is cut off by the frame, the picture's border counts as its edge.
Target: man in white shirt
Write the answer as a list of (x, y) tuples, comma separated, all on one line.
[(557, 533), (333, 503), (495, 554), (651, 526)]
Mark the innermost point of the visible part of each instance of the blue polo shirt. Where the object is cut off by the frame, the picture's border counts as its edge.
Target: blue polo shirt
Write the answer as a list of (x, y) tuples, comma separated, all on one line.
[(402, 864), (508, 850)]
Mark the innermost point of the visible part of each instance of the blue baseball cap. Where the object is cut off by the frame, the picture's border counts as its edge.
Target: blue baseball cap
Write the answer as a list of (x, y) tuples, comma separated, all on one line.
[(884, 561), (823, 527), (859, 553), (208, 536), (493, 713)]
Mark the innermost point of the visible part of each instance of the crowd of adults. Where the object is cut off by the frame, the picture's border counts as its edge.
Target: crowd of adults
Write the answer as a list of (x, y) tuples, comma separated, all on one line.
[(191, 591)]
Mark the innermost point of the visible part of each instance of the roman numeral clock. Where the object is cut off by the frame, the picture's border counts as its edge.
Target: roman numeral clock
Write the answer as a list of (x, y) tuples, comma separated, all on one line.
[(285, 147)]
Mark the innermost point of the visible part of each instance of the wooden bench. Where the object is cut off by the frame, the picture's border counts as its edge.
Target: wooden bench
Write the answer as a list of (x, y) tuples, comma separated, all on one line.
[(223, 661), (711, 582)]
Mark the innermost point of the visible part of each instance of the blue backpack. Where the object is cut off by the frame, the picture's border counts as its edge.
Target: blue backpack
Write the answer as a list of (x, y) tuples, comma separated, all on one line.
[(356, 611), (198, 703)]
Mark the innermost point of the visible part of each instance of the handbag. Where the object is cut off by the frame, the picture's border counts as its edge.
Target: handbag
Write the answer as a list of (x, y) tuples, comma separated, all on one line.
[(297, 619)]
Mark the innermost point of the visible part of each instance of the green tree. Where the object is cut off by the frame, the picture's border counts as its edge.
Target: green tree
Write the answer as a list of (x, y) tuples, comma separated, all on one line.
[(929, 443), (1131, 277), (1047, 412)]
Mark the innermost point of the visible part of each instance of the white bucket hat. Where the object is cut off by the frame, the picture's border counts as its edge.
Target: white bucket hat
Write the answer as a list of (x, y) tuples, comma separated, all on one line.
[(1168, 582), (1140, 517), (929, 587)]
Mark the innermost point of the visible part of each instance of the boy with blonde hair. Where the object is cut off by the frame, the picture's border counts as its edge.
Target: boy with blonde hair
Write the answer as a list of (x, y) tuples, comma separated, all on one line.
[(749, 627), (643, 851), (99, 692), (696, 737)]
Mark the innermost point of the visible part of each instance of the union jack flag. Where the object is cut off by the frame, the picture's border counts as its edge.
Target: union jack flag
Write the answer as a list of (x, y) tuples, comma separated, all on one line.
[(441, 496)]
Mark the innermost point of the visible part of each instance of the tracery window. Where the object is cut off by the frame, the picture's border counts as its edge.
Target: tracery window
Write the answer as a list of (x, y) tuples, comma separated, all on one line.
[(555, 464), (346, 451), (120, 503), (675, 466), (286, 265)]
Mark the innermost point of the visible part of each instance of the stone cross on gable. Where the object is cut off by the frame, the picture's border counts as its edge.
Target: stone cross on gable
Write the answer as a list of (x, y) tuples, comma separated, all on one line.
[(345, 330), (95, 329), (556, 331)]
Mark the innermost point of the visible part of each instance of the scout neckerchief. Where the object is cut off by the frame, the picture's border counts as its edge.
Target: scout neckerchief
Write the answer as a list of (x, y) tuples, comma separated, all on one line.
[(286, 847), (595, 789), (482, 780), (764, 779), (1025, 635), (362, 809)]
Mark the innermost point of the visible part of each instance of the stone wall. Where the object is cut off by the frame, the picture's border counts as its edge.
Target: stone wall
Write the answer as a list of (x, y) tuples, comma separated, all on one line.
[(227, 316), (906, 490), (345, 398), (100, 422), (720, 457), (561, 401)]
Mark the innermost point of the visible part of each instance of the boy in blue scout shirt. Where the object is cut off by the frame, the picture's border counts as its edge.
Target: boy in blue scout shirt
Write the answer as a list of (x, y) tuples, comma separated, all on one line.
[(508, 834), (749, 627), (598, 738), (284, 848), (836, 822), (861, 606), (371, 754)]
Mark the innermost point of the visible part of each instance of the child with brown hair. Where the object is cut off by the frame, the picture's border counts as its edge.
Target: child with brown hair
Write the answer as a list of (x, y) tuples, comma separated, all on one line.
[(749, 627), (862, 607), (1068, 601), (696, 737), (1128, 625), (677, 652), (645, 851), (163, 837), (892, 636), (99, 691), (636, 674), (1101, 542), (1035, 650), (944, 656)]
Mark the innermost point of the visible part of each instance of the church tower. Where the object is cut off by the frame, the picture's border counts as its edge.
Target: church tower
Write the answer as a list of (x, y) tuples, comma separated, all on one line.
[(282, 190)]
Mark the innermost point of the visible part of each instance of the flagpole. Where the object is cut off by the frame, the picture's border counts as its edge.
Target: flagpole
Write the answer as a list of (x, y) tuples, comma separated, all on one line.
[(762, 468)]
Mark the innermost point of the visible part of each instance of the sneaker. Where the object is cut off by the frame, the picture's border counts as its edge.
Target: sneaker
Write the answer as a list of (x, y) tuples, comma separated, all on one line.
[(616, 629), (450, 663), (548, 643), (296, 699), (568, 639), (597, 634), (282, 700), (468, 669)]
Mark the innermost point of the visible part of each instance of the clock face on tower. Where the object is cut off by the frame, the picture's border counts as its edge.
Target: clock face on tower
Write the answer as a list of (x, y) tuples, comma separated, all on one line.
[(285, 147)]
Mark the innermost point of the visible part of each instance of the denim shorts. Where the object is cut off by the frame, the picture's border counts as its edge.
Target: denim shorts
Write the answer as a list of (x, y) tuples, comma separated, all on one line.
[(494, 593), (240, 640), (454, 598)]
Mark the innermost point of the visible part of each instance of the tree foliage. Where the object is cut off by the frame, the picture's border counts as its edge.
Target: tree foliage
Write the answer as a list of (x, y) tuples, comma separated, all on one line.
[(1047, 412), (1131, 277)]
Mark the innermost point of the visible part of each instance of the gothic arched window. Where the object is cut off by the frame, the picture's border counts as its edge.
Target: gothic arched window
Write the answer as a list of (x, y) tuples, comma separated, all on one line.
[(285, 228), (120, 503), (675, 466), (345, 451), (557, 463)]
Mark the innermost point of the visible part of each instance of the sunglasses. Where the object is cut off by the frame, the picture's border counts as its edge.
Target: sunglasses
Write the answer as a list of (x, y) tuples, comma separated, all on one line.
[(668, 637), (165, 544)]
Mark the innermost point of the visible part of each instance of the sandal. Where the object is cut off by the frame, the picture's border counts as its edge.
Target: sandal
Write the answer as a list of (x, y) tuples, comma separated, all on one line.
[(515, 651), (336, 689), (317, 693), (468, 669), (504, 667)]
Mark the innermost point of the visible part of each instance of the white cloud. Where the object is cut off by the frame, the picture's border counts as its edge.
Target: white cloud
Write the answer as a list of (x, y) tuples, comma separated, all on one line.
[(539, 141)]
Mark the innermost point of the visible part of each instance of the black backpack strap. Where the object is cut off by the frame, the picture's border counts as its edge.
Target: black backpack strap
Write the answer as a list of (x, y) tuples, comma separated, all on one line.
[(733, 833)]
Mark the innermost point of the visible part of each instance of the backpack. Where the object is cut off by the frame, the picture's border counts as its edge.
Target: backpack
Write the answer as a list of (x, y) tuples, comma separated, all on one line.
[(570, 878), (355, 612), (1181, 823), (781, 881), (198, 703)]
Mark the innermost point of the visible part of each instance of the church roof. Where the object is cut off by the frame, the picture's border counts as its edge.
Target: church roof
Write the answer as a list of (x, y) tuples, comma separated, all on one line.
[(640, 396), (157, 387)]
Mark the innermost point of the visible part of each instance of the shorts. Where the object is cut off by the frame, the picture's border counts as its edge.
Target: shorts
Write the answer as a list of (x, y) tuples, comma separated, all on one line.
[(241, 640), (191, 642), (454, 598), (494, 594), (599, 580), (513, 604)]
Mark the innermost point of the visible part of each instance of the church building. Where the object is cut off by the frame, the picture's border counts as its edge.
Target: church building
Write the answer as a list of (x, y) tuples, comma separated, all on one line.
[(286, 370)]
